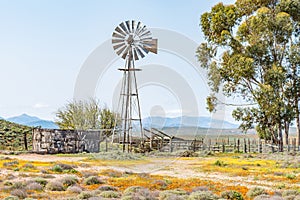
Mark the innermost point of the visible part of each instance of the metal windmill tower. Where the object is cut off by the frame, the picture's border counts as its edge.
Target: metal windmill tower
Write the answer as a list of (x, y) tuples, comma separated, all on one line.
[(131, 40)]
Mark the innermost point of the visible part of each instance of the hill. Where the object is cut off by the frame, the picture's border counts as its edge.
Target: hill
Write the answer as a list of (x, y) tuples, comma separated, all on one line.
[(12, 136), (187, 121), (32, 121)]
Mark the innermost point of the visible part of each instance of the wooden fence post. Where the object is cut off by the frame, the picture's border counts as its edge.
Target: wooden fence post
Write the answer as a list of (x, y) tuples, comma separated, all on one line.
[(245, 146), (238, 145)]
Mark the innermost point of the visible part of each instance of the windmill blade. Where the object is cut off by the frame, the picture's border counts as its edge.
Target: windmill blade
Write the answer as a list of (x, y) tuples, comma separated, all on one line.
[(120, 31), (141, 30), (140, 52), (125, 52), (114, 41), (135, 54), (128, 26), (122, 25), (119, 45), (120, 51), (138, 27), (117, 35), (147, 33), (133, 26), (151, 46)]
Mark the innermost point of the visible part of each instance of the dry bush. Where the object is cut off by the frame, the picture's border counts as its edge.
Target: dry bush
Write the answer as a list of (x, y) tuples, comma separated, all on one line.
[(256, 191), (203, 195), (107, 188), (110, 194), (41, 181), (290, 192), (87, 174), (140, 194), (75, 189), (85, 195), (19, 193), (69, 180), (200, 188), (55, 185), (92, 180), (34, 186)]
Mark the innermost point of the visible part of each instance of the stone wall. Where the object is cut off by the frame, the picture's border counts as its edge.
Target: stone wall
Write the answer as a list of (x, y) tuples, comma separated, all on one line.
[(65, 141)]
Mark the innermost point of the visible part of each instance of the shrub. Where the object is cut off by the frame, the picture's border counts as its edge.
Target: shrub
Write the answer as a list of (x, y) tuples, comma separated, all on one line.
[(92, 180), (85, 195), (75, 189), (18, 185), (11, 198), (232, 195), (290, 197), (263, 197), (188, 154), (132, 190), (55, 186), (220, 163), (34, 186), (290, 192), (290, 176), (14, 163), (86, 174), (200, 188), (203, 195), (57, 168), (19, 193), (29, 166), (142, 194), (107, 188), (69, 181), (41, 181), (173, 194), (256, 191), (110, 194)]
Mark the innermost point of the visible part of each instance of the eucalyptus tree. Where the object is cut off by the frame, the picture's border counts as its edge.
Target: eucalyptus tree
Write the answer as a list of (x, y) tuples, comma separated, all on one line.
[(252, 52)]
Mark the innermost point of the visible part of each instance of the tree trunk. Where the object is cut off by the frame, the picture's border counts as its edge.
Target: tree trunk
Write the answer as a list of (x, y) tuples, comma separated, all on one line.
[(280, 138), (298, 129), (286, 131)]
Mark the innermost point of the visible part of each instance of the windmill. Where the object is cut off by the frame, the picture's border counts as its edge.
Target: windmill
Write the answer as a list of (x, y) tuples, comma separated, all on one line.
[(131, 41)]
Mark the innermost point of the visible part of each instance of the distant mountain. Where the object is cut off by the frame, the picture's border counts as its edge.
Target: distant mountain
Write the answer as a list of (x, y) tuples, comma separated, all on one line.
[(28, 120), (186, 121), (23, 119)]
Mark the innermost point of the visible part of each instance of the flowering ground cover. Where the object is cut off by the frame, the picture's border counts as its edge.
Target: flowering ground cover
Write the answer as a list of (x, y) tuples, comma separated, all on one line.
[(161, 176)]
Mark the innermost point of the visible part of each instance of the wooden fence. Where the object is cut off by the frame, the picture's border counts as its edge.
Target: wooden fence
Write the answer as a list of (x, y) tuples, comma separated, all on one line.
[(244, 145)]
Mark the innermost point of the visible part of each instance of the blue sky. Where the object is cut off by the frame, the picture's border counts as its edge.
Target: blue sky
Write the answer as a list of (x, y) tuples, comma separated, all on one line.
[(43, 44)]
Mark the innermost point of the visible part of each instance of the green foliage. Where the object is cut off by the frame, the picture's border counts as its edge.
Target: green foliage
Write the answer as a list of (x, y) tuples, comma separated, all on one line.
[(203, 195), (290, 176), (256, 191), (252, 51), (92, 180), (109, 194), (41, 181), (232, 195), (12, 136), (86, 115), (57, 168), (220, 163), (85, 195)]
